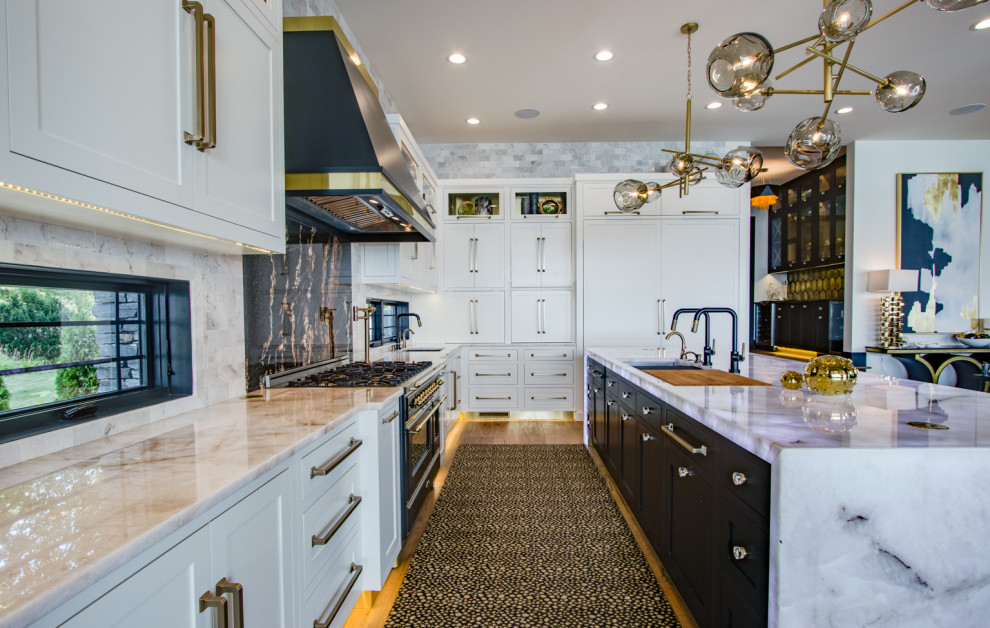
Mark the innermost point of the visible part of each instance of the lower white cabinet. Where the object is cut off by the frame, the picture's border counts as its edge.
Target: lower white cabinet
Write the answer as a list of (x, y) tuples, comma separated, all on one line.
[(519, 377), (542, 316), (474, 317), (240, 560), (389, 470)]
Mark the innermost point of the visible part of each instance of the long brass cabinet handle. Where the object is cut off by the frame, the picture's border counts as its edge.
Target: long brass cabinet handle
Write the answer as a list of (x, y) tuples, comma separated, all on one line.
[(669, 431), (700, 211), (622, 213), (549, 374), (236, 600), (334, 462), (219, 602), (550, 398), (390, 419), (493, 398), (324, 538), (196, 10), (211, 83), (342, 593), (490, 355)]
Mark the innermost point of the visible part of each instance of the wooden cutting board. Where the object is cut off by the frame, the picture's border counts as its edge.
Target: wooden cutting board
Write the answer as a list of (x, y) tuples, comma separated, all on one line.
[(702, 377)]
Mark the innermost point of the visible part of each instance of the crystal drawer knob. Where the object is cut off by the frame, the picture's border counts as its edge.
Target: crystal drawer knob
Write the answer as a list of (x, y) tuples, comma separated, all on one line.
[(625, 395), (684, 472), (648, 437), (739, 552), (739, 478), (646, 409), (626, 417)]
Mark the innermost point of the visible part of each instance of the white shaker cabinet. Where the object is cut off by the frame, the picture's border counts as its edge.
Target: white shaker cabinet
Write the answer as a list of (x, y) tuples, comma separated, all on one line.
[(623, 305), (405, 264), (471, 317), (541, 255), (542, 316), (241, 557), (103, 102), (474, 255)]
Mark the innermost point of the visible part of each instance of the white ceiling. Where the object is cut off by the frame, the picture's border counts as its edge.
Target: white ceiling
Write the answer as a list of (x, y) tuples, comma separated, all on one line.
[(538, 53)]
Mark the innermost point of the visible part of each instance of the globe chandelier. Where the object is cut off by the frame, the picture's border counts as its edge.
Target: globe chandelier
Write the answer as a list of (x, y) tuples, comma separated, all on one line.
[(740, 165), (739, 68)]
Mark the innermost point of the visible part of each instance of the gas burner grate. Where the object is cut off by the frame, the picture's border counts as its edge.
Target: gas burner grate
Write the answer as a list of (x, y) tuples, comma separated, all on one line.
[(361, 375)]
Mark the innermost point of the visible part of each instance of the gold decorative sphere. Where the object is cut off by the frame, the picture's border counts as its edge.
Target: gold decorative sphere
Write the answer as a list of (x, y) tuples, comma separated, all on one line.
[(791, 380), (830, 375)]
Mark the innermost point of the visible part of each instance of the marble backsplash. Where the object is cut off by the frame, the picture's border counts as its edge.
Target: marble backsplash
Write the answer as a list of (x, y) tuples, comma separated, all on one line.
[(216, 293), (290, 301)]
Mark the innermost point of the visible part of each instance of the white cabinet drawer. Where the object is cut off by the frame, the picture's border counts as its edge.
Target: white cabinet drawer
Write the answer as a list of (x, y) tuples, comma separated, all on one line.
[(548, 398), (493, 397), (596, 201), (704, 202), (337, 592), (493, 374), (321, 468), (549, 373), (562, 353), (486, 355), (329, 521)]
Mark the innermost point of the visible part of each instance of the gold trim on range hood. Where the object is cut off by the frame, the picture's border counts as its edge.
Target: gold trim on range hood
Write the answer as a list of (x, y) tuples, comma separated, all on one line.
[(347, 181)]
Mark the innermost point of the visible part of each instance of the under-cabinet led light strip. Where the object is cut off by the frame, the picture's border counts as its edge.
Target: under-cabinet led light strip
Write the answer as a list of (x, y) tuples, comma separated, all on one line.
[(112, 212)]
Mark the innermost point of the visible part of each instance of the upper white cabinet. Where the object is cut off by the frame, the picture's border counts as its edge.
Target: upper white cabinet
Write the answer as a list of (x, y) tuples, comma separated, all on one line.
[(407, 264), (541, 254), (706, 199), (474, 255), (596, 201), (104, 103)]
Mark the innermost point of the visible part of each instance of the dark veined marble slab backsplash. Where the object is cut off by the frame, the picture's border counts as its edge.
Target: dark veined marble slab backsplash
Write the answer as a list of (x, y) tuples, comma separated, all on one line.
[(283, 299)]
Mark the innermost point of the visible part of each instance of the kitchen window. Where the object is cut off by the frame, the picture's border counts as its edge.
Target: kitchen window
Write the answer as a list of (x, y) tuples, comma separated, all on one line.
[(76, 346), (384, 325)]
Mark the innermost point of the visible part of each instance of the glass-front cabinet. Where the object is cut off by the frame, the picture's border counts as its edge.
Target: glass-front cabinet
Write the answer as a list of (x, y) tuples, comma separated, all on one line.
[(807, 228), (528, 204), (474, 203)]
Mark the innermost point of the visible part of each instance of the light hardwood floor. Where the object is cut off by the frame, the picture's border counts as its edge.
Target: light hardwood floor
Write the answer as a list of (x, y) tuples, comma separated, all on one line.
[(373, 609)]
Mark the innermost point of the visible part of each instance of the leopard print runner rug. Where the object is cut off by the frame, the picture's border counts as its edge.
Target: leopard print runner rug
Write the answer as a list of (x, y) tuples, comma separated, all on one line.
[(527, 535)]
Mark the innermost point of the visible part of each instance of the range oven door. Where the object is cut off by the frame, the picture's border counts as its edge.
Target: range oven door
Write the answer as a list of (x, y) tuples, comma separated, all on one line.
[(419, 445), (421, 459)]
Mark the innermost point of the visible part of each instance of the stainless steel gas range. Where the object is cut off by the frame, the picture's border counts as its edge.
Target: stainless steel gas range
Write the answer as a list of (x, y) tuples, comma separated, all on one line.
[(420, 411)]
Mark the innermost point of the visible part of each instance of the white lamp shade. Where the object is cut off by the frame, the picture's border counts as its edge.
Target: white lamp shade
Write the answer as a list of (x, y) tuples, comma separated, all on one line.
[(894, 280)]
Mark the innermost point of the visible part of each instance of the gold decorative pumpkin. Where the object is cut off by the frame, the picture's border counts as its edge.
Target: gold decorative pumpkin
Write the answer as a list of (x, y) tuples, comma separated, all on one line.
[(830, 375), (791, 380)]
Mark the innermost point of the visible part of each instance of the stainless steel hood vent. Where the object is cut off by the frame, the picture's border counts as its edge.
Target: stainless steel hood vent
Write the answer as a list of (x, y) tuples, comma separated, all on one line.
[(343, 168)]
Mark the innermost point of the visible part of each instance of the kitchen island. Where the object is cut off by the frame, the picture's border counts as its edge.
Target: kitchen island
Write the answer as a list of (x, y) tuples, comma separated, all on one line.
[(873, 519)]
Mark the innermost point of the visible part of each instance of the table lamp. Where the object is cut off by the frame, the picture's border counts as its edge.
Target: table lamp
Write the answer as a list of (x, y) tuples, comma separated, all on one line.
[(892, 281)]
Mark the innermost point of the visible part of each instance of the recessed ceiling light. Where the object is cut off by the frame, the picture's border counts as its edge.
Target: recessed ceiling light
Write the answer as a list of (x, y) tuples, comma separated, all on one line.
[(713, 105), (604, 55), (844, 110), (527, 112), (456, 58), (356, 59), (473, 121), (600, 106), (982, 25), (961, 111)]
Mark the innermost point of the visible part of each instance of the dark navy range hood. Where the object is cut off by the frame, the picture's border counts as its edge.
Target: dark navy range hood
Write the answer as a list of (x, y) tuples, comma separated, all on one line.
[(343, 167)]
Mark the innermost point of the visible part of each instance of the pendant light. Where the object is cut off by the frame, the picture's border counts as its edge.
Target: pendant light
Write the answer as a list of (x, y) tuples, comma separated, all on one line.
[(739, 166), (765, 198)]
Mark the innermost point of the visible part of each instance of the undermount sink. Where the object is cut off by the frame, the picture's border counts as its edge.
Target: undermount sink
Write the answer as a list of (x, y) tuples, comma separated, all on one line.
[(664, 366)]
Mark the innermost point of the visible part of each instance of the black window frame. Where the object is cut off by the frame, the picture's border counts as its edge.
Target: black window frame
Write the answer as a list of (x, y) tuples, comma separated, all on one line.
[(377, 323), (169, 350)]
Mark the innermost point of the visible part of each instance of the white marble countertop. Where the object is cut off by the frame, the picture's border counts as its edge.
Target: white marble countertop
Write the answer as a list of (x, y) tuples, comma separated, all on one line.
[(768, 419), (70, 518)]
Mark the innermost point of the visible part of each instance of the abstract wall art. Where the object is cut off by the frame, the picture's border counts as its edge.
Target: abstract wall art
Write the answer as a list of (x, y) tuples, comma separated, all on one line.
[(938, 234)]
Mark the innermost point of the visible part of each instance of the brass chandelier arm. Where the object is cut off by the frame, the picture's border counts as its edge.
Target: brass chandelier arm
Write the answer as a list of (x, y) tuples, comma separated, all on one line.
[(863, 73), (819, 92), (801, 41), (715, 161), (829, 85), (890, 13)]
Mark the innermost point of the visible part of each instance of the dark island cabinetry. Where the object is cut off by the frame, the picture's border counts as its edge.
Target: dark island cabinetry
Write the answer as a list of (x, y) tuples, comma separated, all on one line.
[(702, 501)]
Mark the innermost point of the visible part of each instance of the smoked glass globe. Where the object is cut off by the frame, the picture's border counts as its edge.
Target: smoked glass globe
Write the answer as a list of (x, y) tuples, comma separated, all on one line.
[(681, 164), (903, 90), (740, 64), (722, 176), (695, 175), (743, 163), (756, 99), (810, 146), (652, 191), (842, 20), (629, 195), (953, 5)]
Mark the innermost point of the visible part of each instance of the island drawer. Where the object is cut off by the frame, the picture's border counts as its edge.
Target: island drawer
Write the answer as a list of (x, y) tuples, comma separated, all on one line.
[(328, 522), (649, 409), (321, 468), (702, 444), (493, 374), (745, 476), (627, 392), (549, 398), (510, 354), (494, 397), (549, 373), (743, 551), (612, 383), (549, 354), (331, 600)]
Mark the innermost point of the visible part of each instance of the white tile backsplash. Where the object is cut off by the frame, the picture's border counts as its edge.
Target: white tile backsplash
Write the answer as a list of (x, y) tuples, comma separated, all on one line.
[(216, 294)]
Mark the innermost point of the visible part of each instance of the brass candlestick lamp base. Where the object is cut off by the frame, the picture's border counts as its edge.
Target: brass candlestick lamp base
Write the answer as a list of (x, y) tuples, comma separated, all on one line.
[(891, 321)]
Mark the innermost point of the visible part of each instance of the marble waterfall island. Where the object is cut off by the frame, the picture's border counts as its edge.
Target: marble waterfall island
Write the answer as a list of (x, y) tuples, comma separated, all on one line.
[(874, 519)]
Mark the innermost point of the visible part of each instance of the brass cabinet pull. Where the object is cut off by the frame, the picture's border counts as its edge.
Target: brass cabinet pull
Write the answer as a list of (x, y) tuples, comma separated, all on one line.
[(491, 355), (493, 398), (211, 83), (621, 213), (739, 478), (669, 431), (739, 552), (219, 602), (493, 374), (196, 10), (699, 211), (390, 419), (342, 593), (323, 539), (563, 355), (684, 472), (550, 398), (549, 374), (236, 600), (333, 463)]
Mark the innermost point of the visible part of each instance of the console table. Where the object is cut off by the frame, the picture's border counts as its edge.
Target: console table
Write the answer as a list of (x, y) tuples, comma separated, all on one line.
[(925, 364)]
